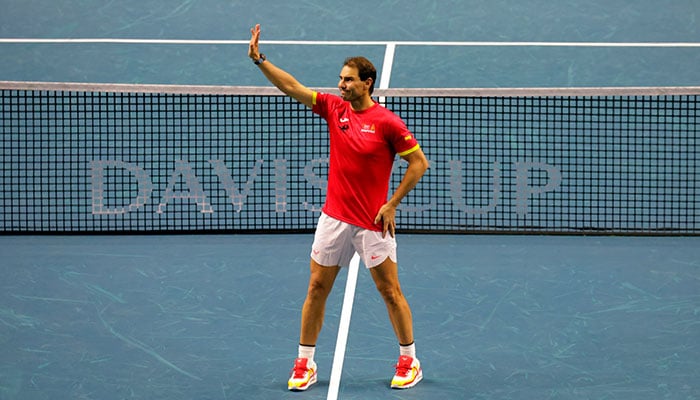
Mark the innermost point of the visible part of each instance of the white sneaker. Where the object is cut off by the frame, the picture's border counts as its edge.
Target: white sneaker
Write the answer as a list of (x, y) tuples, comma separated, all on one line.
[(408, 373), (304, 375)]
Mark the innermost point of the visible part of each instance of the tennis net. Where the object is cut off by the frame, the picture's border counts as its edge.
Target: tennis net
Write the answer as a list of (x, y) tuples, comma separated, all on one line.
[(147, 158)]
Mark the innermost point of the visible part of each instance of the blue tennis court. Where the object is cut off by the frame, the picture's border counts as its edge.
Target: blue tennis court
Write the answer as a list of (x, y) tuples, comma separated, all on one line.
[(216, 316), (494, 44)]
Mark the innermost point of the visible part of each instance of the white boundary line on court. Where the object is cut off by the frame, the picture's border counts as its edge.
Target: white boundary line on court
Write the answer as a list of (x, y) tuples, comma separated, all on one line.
[(343, 328), (349, 42), (387, 65)]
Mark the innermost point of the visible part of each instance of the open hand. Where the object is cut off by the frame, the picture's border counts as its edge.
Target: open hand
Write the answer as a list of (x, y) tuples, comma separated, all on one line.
[(253, 51)]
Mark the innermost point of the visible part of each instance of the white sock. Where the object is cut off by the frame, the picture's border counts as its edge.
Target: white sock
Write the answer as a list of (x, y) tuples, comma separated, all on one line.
[(307, 352), (409, 350)]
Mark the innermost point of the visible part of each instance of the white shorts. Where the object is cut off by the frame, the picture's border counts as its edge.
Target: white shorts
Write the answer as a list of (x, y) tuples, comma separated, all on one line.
[(335, 242)]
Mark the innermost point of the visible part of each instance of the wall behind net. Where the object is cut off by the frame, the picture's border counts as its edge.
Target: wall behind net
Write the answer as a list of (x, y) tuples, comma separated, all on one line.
[(125, 158)]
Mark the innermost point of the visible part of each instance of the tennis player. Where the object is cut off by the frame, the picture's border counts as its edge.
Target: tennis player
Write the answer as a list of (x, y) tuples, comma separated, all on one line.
[(356, 217)]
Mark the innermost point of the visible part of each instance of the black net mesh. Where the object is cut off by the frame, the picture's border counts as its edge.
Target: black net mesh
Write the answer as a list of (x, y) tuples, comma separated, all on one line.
[(101, 161)]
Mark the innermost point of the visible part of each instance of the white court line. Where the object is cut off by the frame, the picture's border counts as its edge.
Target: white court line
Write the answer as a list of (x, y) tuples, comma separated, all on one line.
[(343, 328), (352, 42), (387, 66)]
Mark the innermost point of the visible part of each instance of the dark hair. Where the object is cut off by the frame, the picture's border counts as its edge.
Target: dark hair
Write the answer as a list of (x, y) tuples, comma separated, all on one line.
[(365, 69)]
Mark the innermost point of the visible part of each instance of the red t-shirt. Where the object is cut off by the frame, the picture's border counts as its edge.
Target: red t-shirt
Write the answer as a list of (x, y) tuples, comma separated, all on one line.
[(363, 146)]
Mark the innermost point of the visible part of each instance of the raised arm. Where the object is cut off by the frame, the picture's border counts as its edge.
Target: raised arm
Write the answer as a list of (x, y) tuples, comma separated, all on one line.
[(277, 76)]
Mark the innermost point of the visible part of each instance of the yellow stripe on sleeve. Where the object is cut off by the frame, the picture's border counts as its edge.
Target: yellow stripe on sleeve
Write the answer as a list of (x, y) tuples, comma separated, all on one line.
[(409, 151), (313, 99)]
